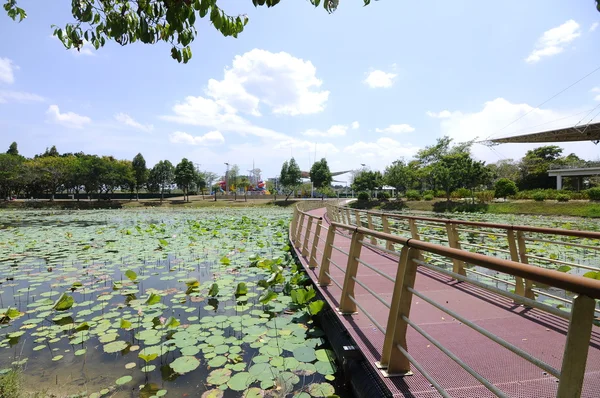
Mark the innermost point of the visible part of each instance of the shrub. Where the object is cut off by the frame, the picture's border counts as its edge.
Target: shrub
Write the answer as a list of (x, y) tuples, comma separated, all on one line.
[(463, 193), (579, 195), (363, 196), (539, 196), (485, 196), (382, 195), (440, 193), (561, 197), (428, 197), (413, 195), (429, 192), (594, 193), (505, 187)]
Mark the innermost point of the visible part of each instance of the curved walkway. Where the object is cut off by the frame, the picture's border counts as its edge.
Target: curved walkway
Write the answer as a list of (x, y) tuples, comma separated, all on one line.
[(540, 334)]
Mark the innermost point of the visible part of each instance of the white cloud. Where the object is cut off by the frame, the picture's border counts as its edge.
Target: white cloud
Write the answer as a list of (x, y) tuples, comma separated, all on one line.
[(200, 111), (439, 115), (596, 90), (490, 122), (396, 129), (355, 125), (284, 83), (68, 119), (18, 96), (131, 122), (303, 146), (7, 68), (380, 79), (208, 139), (594, 26), (554, 41), (337, 130), (377, 155)]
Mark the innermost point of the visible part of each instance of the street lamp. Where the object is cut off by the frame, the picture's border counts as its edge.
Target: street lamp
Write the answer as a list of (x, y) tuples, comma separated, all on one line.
[(227, 179)]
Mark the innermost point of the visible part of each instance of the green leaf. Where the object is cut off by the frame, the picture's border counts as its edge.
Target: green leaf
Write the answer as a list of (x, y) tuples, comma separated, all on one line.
[(115, 346), (592, 275), (148, 357), (172, 322), (184, 364), (12, 313), (153, 299), (131, 275), (219, 376), (315, 307), (267, 296), (240, 381), (123, 380), (214, 290), (82, 326), (225, 260), (241, 289), (321, 390), (125, 324), (564, 268), (64, 303)]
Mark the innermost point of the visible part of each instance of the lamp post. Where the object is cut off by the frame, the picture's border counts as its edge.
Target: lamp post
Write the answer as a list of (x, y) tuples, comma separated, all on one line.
[(227, 178)]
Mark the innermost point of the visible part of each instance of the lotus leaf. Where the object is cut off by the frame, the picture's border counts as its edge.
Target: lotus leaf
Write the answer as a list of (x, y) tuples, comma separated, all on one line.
[(184, 364)]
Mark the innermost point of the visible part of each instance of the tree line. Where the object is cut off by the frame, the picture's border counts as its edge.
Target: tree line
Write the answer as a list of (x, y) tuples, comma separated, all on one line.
[(447, 167), (51, 172)]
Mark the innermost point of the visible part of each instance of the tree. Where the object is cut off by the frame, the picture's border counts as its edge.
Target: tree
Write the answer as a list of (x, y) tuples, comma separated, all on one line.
[(320, 175), (367, 180), (458, 170), (10, 174), (534, 167), (505, 187), (49, 152), (12, 149), (140, 173), (127, 21), (399, 175), (184, 176), (52, 172), (506, 168), (164, 173), (290, 176)]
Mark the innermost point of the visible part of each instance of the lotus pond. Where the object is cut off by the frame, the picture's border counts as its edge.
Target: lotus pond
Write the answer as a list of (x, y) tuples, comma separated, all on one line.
[(156, 303), (563, 257)]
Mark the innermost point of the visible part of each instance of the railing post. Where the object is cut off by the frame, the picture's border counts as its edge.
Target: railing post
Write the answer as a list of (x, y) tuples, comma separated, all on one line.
[(386, 228), (347, 306), (324, 279), (391, 357), (312, 262), (370, 225), (299, 231), (523, 256), (348, 219), (576, 348), (294, 223), (306, 236), (414, 229), (514, 256), (358, 219), (454, 242)]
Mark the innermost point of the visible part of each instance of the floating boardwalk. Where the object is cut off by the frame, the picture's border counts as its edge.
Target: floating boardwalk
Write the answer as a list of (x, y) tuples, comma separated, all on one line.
[(536, 332)]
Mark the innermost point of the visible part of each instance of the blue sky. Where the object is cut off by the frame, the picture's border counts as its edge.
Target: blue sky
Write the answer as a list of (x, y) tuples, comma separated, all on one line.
[(363, 85)]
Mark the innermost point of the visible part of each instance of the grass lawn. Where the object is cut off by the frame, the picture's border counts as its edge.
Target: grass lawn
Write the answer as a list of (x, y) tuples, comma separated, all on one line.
[(572, 208)]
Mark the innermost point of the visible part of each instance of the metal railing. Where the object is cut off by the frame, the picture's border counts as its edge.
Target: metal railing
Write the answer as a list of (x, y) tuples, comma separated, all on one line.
[(543, 247), (307, 233)]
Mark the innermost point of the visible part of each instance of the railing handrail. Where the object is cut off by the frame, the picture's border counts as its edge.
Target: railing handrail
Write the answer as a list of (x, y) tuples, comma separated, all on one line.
[(573, 283), (524, 228)]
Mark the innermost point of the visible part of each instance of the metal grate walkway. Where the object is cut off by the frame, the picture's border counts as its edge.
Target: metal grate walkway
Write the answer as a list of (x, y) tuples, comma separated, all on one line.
[(539, 333)]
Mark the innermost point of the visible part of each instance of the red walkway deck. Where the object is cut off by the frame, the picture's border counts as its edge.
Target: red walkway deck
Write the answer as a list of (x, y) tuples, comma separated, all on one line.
[(540, 334)]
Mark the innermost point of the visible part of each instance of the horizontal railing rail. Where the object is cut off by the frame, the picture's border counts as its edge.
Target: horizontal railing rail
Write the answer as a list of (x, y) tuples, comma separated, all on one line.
[(561, 249), (307, 233)]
